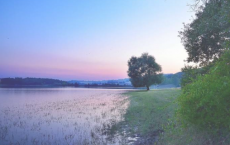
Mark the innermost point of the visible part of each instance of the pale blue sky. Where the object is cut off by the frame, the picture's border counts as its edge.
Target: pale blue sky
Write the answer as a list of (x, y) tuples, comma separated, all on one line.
[(89, 39)]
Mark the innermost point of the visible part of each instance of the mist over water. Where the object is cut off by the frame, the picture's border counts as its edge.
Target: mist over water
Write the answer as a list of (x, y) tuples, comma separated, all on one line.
[(60, 115)]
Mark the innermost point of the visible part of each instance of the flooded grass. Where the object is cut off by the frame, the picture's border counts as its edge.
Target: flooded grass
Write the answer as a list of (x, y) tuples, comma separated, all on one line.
[(79, 120)]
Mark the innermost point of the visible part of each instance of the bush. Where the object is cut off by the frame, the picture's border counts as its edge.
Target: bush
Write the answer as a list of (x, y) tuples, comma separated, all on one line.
[(206, 101), (190, 73)]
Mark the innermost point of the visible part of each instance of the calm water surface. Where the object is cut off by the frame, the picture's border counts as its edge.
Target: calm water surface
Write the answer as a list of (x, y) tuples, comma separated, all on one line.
[(60, 115)]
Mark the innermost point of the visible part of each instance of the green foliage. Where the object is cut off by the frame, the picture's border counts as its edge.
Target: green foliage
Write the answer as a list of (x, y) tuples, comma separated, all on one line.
[(174, 79), (190, 73), (204, 39), (144, 71), (206, 101)]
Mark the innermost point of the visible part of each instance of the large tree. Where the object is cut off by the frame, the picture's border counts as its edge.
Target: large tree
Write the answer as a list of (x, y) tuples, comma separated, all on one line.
[(144, 71), (205, 37)]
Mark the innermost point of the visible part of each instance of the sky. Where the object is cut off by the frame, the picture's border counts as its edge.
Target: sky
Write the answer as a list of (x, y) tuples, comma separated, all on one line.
[(89, 39)]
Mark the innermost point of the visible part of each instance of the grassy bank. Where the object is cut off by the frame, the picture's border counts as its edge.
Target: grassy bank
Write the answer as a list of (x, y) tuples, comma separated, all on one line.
[(148, 110), (151, 118), (148, 113)]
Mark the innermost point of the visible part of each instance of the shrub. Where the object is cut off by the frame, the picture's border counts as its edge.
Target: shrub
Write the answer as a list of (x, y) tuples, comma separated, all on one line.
[(190, 73), (206, 101)]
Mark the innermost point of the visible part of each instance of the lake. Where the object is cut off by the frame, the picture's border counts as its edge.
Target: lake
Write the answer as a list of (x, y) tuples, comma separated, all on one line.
[(60, 115)]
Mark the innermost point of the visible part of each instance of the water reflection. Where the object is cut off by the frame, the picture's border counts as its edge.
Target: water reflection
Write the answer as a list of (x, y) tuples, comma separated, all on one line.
[(60, 115)]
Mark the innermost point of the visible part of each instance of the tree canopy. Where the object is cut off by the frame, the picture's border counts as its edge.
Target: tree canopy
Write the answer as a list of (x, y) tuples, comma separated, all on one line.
[(205, 37), (204, 100), (144, 71)]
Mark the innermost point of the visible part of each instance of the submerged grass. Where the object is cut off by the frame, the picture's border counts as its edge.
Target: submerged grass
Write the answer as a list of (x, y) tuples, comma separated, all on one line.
[(82, 120)]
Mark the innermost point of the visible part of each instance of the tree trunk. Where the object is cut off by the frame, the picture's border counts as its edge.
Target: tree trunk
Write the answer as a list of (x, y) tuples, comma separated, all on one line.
[(147, 88)]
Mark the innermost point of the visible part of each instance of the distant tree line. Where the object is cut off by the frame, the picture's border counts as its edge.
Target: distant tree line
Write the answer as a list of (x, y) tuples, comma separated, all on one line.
[(104, 85), (28, 82), (32, 82), (17, 82)]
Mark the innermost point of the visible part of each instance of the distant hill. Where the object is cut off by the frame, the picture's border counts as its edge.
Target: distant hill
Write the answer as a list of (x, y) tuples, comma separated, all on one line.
[(172, 79)]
